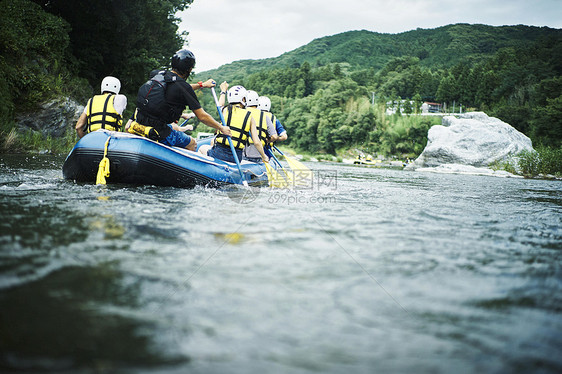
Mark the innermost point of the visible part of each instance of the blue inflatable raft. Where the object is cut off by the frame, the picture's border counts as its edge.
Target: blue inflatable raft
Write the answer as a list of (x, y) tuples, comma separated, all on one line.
[(141, 161)]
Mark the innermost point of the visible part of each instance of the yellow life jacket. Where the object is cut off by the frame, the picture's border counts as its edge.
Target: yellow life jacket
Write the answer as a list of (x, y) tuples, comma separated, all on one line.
[(271, 117), (238, 120), (101, 113), (261, 125)]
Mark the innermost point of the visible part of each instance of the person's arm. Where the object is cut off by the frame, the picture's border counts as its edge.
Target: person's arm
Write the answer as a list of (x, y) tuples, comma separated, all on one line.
[(256, 139), (186, 117), (185, 128), (208, 84), (208, 120), (281, 132), (282, 137), (222, 96), (120, 103), (271, 130), (81, 125)]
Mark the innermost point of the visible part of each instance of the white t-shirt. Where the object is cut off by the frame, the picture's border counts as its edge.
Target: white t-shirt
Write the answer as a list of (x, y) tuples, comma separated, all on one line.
[(119, 103)]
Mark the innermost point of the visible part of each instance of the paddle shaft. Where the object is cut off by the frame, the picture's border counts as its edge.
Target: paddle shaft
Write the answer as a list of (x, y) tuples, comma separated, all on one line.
[(244, 182), (269, 153), (277, 149)]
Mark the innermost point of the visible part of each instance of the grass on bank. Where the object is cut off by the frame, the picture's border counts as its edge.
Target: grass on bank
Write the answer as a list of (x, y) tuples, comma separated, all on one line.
[(35, 142), (544, 161)]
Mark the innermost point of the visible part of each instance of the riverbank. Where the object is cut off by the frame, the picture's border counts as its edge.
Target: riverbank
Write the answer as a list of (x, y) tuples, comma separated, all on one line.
[(33, 142), (351, 156), (545, 163)]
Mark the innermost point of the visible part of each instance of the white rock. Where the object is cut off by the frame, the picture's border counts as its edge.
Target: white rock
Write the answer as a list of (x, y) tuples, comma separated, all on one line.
[(472, 139)]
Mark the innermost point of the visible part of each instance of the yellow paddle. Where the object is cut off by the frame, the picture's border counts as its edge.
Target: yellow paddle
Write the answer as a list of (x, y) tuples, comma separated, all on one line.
[(275, 179), (286, 174), (302, 175)]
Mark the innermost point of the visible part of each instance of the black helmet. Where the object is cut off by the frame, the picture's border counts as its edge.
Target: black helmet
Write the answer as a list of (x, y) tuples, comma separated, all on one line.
[(183, 61)]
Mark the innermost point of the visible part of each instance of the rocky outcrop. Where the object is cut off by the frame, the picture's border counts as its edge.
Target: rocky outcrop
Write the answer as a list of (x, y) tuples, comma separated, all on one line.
[(53, 117), (471, 139)]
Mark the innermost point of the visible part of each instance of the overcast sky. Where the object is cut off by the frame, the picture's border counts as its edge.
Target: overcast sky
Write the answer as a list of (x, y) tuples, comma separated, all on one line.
[(223, 31)]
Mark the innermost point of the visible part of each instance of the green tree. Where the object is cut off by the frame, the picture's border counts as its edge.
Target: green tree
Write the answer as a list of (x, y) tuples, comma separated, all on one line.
[(124, 38), (306, 76), (547, 123), (417, 102), (447, 91), (337, 71), (33, 47)]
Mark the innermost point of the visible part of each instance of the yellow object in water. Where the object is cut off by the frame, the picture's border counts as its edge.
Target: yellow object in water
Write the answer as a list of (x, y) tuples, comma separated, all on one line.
[(232, 237), (110, 228)]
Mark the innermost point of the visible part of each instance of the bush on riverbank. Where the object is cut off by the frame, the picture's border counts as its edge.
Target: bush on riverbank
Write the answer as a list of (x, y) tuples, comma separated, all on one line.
[(544, 161), (34, 142)]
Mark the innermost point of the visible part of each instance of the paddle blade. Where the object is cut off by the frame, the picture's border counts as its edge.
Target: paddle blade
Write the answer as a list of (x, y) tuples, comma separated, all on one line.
[(288, 176), (296, 164), (301, 174), (275, 179)]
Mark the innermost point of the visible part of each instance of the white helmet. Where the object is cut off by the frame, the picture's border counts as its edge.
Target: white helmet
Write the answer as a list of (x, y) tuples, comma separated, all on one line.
[(252, 98), (236, 94), (264, 103), (110, 84)]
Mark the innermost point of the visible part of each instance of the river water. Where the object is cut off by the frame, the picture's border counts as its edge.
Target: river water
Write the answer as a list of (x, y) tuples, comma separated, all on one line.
[(363, 271)]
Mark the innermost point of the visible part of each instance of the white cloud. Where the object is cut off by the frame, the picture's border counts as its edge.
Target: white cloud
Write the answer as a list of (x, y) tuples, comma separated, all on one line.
[(222, 31)]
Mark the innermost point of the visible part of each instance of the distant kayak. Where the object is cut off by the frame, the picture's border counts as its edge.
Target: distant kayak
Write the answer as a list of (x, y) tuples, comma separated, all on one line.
[(140, 161)]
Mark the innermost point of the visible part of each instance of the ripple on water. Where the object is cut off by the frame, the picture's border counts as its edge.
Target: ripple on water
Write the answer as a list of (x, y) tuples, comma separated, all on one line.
[(386, 271)]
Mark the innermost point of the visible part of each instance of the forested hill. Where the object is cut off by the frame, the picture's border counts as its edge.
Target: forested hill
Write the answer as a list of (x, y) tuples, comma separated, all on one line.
[(332, 92), (442, 47)]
